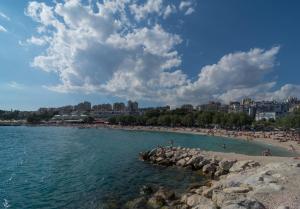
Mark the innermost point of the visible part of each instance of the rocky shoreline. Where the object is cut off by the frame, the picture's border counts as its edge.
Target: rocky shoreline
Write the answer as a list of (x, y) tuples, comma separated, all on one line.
[(234, 184)]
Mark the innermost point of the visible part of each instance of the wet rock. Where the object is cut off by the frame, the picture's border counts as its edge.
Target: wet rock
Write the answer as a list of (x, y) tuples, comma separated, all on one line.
[(156, 202), (194, 186), (146, 190), (144, 156), (200, 202), (137, 203), (165, 194)]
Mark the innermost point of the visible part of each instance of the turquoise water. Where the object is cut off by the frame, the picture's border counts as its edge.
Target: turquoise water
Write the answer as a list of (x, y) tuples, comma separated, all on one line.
[(57, 167)]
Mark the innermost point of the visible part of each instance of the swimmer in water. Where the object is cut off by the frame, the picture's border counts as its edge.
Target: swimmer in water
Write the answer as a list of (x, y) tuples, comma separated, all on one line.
[(224, 146)]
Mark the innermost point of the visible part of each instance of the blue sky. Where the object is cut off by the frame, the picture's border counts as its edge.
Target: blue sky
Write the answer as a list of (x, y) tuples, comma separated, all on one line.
[(156, 52)]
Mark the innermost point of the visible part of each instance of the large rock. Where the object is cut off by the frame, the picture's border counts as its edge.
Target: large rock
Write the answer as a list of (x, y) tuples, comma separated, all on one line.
[(242, 165), (165, 194), (209, 168), (156, 202), (202, 163), (219, 197), (193, 160), (225, 165), (159, 159), (145, 190), (169, 154), (243, 204), (181, 162), (137, 203), (144, 155), (198, 201)]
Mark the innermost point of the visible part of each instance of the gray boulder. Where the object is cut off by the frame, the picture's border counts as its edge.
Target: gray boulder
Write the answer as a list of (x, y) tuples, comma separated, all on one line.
[(198, 201), (242, 165), (137, 203), (225, 165), (243, 204)]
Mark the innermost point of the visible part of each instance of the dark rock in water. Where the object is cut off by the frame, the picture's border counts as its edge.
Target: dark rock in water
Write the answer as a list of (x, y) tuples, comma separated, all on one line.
[(144, 156), (165, 162), (156, 202), (146, 190), (165, 194), (194, 186), (138, 203)]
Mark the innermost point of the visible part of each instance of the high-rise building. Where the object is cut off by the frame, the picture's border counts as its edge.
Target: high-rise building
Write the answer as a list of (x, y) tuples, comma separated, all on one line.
[(119, 107), (132, 106), (84, 106), (187, 107), (102, 108)]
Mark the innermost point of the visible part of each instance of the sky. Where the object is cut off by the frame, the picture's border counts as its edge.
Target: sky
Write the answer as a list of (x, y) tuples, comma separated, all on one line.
[(157, 52)]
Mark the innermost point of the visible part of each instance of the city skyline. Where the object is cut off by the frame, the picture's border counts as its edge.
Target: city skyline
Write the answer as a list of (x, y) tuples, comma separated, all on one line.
[(155, 52)]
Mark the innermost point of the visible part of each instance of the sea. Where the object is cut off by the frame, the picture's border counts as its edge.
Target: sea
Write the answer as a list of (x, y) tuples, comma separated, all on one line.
[(96, 168)]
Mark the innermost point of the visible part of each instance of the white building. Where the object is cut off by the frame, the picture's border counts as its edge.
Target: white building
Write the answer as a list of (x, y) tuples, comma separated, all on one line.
[(265, 115)]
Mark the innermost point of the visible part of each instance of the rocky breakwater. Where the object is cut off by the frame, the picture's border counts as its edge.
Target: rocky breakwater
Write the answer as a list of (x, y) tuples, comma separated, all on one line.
[(234, 184), (194, 159)]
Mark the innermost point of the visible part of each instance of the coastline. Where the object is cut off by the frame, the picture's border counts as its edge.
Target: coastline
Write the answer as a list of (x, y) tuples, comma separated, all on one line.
[(241, 135), (237, 181), (259, 136)]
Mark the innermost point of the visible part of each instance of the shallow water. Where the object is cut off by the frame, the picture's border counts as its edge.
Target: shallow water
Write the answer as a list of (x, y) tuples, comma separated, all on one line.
[(58, 167)]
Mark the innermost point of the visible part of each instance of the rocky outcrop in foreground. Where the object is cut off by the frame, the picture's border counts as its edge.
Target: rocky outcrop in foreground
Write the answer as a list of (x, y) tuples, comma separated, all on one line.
[(235, 185)]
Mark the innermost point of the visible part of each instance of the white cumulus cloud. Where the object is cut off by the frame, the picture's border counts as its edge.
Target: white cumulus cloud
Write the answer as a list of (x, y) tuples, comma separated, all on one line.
[(102, 49)]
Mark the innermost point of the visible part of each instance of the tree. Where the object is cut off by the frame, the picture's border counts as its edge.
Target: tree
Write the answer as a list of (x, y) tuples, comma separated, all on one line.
[(112, 120), (89, 120), (188, 120), (164, 120), (151, 121), (175, 120), (34, 119)]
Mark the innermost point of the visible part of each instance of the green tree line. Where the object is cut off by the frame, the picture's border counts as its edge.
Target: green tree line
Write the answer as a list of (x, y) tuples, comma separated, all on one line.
[(205, 119), (180, 117)]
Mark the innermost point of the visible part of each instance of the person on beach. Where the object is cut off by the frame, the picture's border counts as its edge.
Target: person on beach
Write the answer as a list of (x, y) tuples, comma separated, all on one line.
[(266, 152)]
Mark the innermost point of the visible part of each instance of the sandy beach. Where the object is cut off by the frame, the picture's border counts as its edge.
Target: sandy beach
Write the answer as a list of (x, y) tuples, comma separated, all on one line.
[(275, 138)]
